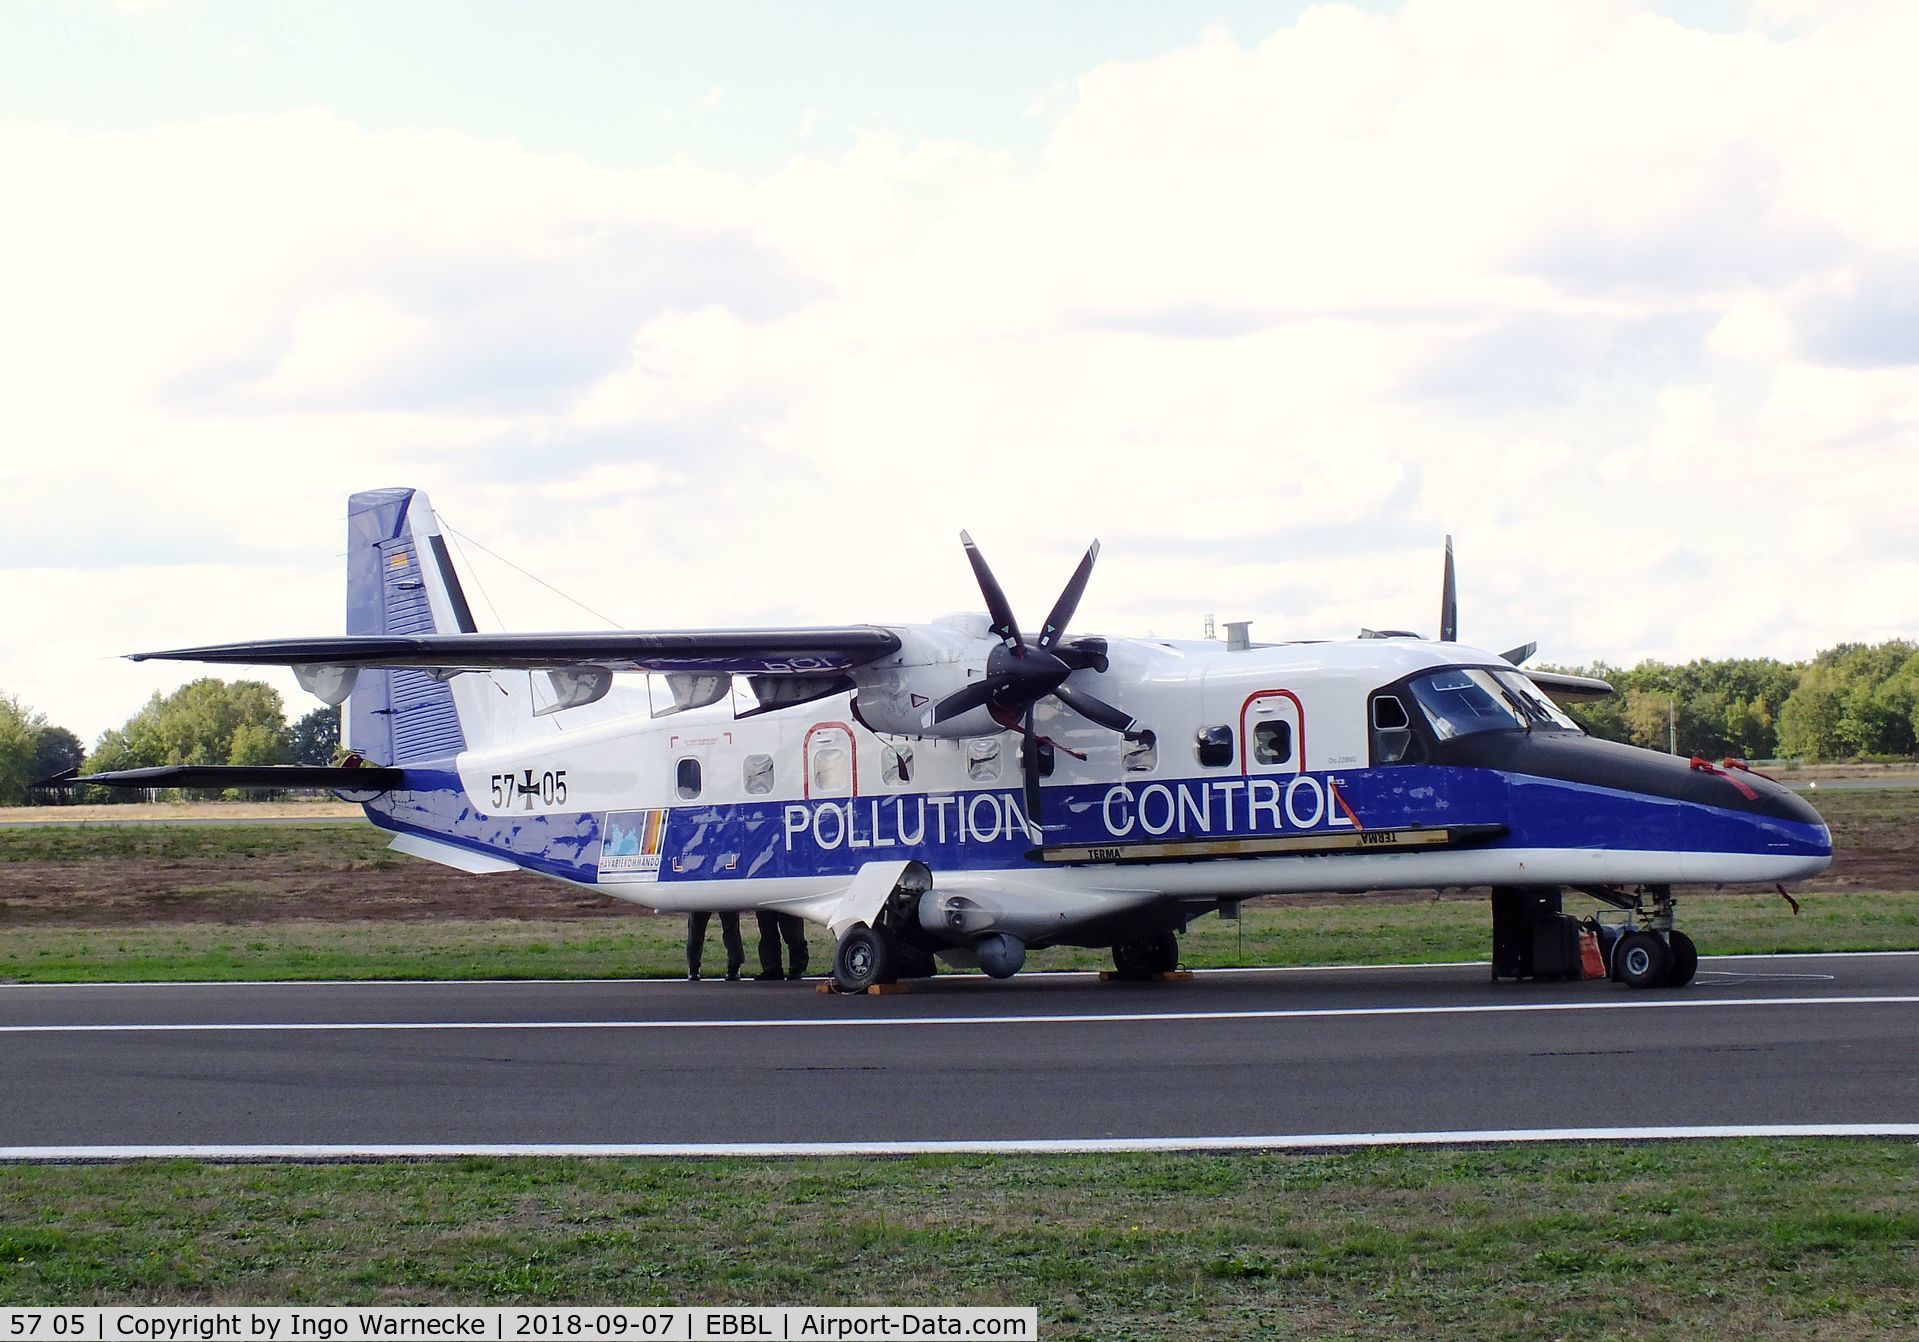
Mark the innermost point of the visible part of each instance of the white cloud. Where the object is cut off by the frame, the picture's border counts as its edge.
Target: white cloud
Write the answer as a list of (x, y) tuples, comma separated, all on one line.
[(1619, 303)]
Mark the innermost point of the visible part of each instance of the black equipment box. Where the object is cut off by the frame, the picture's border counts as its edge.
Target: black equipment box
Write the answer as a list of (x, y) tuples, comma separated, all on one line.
[(1532, 938)]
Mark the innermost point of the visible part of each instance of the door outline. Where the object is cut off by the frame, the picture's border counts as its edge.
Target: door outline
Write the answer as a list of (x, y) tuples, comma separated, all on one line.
[(806, 755), (1298, 763)]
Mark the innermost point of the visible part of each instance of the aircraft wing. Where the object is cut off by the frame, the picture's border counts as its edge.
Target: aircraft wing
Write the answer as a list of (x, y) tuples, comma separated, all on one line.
[(1566, 689), (756, 652), (364, 778)]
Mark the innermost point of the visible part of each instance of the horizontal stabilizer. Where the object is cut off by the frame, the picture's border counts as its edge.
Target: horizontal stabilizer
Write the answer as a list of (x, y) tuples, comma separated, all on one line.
[(450, 855), (1569, 689), (368, 778), (759, 652)]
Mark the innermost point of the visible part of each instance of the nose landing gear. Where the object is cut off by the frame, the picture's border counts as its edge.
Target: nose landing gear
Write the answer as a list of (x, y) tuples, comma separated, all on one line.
[(1653, 954)]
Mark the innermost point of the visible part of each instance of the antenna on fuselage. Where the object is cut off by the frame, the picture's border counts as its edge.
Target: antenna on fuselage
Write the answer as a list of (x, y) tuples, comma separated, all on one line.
[(1449, 601)]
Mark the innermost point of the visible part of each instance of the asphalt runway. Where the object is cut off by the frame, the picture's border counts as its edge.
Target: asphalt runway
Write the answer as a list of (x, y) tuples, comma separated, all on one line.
[(1234, 1058)]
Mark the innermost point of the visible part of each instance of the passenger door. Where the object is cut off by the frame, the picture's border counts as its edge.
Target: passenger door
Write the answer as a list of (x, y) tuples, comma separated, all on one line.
[(832, 766)]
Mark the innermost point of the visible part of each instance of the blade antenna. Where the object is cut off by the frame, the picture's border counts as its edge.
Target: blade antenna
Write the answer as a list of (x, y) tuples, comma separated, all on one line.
[(1449, 601)]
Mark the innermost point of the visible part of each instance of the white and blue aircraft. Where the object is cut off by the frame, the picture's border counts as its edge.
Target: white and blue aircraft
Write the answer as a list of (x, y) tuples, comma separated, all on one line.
[(968, 791)]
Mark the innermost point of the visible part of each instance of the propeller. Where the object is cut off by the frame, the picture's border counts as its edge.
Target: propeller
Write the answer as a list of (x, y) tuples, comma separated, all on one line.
[(1449, 617), (1019, 674)]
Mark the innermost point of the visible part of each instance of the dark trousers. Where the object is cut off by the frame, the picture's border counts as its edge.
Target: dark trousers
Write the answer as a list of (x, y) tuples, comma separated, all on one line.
[(729, 936), (782, 927)]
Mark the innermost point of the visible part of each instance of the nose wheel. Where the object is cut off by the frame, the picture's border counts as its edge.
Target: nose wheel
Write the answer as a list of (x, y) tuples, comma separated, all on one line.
[(1685, 960), (1642, 960)]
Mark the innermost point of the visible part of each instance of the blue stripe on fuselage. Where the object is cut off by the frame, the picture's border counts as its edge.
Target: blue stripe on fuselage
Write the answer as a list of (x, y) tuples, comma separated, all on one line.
[(768, 839)]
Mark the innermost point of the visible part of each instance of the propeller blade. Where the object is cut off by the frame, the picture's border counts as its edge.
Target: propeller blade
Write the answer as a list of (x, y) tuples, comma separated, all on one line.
[(1517, 656), (1095, 709), (960, 701), (1068, 602), (1029, 759), (1005, 627), (1449, 601)]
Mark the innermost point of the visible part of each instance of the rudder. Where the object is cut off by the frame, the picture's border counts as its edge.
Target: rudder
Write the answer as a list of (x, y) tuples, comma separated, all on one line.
[(400, 580)]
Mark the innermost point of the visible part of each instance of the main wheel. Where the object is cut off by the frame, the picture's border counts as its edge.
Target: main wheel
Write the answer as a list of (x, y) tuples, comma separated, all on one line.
[(1165, 953), (1685, 960), (862, 959), (1642, 960), (1143, 959)]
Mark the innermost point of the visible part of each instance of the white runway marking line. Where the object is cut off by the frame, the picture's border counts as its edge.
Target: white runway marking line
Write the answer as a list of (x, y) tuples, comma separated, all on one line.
[(901, 1022), (1016, 1146)]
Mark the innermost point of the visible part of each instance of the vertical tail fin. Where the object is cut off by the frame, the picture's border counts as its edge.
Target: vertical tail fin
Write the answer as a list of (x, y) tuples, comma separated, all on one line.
[(400, 580)]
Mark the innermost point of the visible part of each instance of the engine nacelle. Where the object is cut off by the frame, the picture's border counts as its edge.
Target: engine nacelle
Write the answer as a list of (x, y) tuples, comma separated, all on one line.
[(894, 696)]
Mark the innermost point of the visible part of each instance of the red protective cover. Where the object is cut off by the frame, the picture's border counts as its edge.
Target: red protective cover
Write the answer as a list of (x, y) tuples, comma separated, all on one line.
[(1592, 965)]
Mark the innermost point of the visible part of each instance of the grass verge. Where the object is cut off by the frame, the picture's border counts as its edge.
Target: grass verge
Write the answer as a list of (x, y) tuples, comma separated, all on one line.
[(654, 946), (1788, 1240)]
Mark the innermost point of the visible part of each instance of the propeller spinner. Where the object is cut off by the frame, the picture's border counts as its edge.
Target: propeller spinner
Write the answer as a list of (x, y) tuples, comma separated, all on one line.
[(1019, 674)]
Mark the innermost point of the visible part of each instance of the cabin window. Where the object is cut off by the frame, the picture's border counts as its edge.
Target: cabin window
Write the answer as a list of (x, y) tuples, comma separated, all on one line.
[(1273, 741), (1214, 746), (757, 773), (982, 760), (1392, 730), (686, 779), (1141, 753), (896, 765), (832, 770)]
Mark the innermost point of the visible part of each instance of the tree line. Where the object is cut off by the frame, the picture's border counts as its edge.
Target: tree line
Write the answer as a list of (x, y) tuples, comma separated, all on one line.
[(1855, 701), (206, 721)]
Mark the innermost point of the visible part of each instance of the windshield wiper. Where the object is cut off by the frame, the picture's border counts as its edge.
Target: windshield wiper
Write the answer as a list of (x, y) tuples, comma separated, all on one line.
[(1526, 712)]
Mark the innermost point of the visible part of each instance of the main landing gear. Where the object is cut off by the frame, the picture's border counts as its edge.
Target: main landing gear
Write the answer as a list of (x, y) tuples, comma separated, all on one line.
[(1145, 959)]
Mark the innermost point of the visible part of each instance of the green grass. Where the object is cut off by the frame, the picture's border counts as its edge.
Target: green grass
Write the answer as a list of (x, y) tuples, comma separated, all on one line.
[(1763, 1240), (653, 946), (334, 844)]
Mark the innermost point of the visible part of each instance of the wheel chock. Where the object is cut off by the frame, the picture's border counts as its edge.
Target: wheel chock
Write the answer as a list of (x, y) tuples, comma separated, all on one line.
[(873, 990), (1171, 976)]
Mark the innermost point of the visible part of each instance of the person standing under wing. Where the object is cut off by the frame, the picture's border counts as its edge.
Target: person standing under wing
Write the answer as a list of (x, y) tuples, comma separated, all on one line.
[(729, 936)]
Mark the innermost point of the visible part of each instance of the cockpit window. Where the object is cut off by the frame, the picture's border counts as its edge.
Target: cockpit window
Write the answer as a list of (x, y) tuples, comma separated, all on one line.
[(1462, 700), (1533, 700)]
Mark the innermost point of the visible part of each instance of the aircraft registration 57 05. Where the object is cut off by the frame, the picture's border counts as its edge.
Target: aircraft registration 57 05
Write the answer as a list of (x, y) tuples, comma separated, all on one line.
[(965, 791)]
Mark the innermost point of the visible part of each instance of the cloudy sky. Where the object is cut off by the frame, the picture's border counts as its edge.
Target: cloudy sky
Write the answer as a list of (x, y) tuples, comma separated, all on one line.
[(736, 313)]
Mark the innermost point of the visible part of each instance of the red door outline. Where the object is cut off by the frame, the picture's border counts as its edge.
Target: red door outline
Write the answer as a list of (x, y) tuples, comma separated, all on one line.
[(1299, 711), (806, 756)]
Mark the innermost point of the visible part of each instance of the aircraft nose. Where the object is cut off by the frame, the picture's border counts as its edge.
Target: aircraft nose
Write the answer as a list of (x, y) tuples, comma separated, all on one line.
[(1664, 799)]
